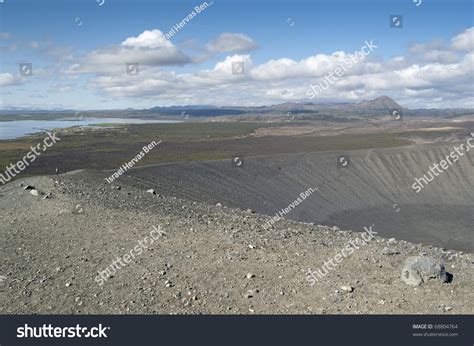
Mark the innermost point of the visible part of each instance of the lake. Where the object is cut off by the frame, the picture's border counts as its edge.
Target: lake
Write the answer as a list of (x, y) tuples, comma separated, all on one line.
[(19, 128)]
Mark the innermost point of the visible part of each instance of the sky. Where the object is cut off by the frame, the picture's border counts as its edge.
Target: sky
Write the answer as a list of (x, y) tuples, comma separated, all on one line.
[(115, 54)]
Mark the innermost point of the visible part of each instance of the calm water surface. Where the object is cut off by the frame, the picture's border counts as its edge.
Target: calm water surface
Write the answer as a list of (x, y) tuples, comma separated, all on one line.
[(19, 128)]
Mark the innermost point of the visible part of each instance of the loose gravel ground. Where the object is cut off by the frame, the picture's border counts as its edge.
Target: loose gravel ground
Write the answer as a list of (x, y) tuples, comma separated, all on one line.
[(212, 259)]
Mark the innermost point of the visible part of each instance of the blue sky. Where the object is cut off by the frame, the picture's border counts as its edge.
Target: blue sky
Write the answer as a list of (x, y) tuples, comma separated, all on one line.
[(78, 52)]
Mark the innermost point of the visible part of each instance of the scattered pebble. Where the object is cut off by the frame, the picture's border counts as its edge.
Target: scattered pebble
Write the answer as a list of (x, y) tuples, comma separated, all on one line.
[(347, 288), (387, 251), (250, 293)]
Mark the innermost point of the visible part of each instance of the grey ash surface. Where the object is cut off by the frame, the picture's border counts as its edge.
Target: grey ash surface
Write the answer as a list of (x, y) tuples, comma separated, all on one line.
[(375, 188)]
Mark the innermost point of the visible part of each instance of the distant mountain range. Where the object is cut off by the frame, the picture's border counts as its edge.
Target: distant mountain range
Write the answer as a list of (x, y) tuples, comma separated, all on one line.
[(383, 105), (380, 105)]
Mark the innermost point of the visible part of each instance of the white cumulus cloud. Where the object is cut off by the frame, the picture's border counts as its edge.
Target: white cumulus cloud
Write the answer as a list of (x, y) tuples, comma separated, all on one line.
[(231, 43)]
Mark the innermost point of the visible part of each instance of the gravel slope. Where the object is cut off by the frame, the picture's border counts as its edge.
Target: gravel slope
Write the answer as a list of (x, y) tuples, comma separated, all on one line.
[(376, 187), (53, 248)]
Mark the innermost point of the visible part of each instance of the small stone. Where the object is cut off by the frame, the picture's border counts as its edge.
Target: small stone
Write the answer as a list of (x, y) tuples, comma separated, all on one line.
[(387, 251), (151, 191), (250, 275), (250, 293), (419, 269), (218, 204), (68, 284), (447, 308), (347, 288), (34, 192)]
